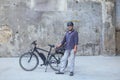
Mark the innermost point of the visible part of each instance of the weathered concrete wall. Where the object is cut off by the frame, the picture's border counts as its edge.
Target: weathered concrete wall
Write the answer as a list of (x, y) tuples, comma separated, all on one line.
[(118, 14), (90, 16), (22, 21), (108, 29), (118, 27)]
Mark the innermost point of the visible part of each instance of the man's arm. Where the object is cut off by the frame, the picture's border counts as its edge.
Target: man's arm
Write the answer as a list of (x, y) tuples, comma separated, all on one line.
[(76, 42), (63, 41)]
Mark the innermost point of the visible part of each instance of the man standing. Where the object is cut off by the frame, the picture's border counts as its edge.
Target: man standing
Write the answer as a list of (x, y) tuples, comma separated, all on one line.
[(71, 41)]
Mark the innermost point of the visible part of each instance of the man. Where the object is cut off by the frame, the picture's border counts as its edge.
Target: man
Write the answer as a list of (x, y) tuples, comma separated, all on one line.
[(71, 41)]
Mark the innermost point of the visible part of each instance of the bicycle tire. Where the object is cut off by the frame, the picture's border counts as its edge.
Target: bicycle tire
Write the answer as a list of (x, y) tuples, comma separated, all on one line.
[(30, 60), (54, 61)]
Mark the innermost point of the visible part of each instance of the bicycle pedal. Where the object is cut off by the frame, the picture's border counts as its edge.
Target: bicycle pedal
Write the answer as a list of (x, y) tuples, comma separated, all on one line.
[(42, 64)]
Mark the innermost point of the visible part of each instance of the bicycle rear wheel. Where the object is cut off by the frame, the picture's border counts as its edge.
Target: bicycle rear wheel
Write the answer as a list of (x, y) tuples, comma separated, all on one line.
[(54, 61), (28, 61)]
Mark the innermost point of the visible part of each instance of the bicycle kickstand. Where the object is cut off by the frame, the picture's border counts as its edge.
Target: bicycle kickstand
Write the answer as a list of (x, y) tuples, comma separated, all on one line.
[(46, 68)]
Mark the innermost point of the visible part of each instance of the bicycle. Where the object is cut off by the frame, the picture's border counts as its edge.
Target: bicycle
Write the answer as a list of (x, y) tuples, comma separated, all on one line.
[(29, 61)]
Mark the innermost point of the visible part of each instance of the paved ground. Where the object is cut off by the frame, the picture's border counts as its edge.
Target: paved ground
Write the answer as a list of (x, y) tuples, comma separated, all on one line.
[(87, 68)]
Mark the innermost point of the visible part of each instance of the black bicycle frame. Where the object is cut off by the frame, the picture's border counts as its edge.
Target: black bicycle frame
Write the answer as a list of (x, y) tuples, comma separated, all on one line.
[(42, 56)]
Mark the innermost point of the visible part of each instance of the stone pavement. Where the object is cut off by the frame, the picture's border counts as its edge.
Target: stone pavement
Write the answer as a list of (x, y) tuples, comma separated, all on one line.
[(87, 68)]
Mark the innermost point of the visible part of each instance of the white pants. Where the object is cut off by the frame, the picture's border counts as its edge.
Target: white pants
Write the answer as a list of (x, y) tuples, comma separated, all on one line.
[(70, 56)]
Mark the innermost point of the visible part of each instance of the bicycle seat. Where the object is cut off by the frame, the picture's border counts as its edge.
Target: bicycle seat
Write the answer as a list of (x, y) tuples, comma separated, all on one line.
[(51, 45)]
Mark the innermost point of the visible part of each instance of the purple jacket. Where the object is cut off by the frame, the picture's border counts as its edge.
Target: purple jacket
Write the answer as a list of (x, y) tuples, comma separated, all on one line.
[(70, 39)]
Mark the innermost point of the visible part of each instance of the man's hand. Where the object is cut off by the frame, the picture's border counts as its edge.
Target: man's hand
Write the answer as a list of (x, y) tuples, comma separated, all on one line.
[(75, 49), (58, 45)]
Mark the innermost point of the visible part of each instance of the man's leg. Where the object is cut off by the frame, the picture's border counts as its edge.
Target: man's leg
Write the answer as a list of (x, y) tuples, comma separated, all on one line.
[(71, 62), (64, 60)]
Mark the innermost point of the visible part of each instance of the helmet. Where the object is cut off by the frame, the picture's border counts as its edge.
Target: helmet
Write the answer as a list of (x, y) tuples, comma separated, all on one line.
[(70, 23)]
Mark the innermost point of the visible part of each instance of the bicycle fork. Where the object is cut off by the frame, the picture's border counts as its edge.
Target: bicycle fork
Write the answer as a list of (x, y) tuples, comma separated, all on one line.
[(30, 57)]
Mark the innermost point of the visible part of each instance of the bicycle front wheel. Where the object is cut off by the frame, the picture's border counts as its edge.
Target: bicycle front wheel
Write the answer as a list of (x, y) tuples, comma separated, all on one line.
[(54, 61), (28, 61)]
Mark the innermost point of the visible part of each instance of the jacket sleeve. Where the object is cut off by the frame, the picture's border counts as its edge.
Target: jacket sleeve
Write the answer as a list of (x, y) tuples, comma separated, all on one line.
[(76, 38), (64, 40)]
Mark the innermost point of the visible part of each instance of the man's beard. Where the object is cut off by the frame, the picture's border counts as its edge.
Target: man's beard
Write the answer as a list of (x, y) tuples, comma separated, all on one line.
[(71, 29)]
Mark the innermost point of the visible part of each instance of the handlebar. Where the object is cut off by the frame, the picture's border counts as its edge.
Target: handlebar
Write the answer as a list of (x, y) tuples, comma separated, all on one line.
[(34, 42)]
